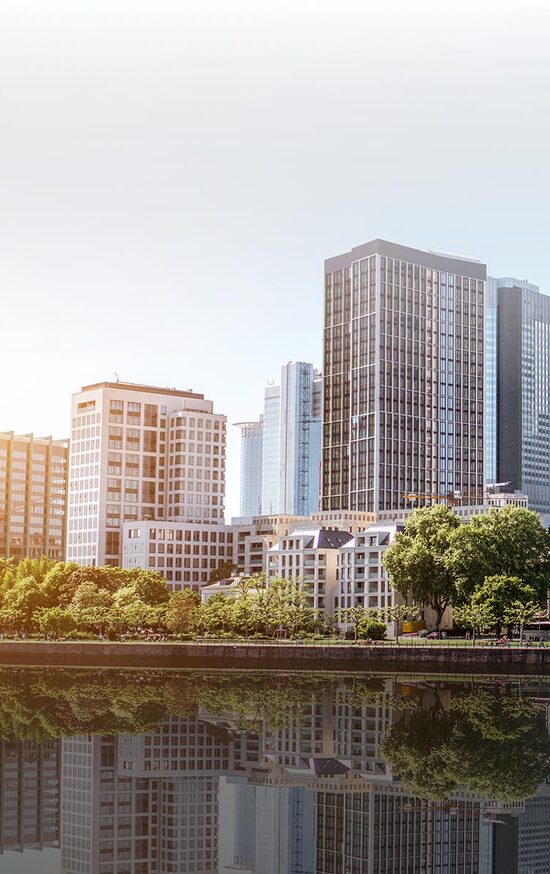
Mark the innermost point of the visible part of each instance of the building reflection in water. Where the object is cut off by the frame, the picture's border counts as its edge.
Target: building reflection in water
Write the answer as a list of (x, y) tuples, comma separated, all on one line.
[(205, 795)]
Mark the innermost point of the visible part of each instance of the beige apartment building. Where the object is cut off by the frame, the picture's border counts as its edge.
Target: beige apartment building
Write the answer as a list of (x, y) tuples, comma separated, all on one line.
[(140, 452), (33, 494)]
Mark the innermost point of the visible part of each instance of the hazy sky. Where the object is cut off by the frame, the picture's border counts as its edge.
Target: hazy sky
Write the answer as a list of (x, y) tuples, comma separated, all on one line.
[(173, 174)]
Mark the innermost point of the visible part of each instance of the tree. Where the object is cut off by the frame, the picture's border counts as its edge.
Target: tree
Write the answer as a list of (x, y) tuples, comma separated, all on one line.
[(55, 621), (508, 542), (352, 616), (476, 616), (492, 745), (89, 595), (497, 595), (417, 562), (398, 614), (224, 571), (25, 597), (150, 586), (216, 615), (183, 612), (518, 614)]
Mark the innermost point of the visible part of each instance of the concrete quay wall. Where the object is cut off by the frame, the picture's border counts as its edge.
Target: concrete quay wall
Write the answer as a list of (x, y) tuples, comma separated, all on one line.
[(287, 656)]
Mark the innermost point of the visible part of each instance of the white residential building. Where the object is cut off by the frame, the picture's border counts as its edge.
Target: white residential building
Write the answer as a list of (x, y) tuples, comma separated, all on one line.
[(362, 579), (140, 452), (310, 556)]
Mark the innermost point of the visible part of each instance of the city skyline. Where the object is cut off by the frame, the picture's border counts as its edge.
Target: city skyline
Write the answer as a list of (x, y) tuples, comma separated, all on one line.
[(233, 466)]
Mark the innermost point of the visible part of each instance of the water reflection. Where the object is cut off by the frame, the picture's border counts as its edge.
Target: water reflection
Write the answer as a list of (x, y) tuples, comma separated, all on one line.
[(136, 772)]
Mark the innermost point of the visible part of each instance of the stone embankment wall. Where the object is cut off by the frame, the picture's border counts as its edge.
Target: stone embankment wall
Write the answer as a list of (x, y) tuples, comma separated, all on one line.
[(287, 656)]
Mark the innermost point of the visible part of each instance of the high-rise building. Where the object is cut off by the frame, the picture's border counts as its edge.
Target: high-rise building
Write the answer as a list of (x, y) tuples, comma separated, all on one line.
[(252, 440), (140, 452), (403, 377), (29, 794), (517, 444), (33, 495), (288, 439)]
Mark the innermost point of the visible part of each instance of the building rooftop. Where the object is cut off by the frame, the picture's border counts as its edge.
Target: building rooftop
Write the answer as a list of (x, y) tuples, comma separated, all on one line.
[(464, 265), (154, 389), (318, 538), (33, 438)]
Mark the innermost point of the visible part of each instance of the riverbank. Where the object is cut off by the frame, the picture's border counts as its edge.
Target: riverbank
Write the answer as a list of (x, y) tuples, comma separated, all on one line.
[(280, 656)]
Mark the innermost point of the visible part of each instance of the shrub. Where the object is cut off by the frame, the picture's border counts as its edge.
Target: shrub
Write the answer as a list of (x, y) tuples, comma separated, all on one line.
[(372, 628)]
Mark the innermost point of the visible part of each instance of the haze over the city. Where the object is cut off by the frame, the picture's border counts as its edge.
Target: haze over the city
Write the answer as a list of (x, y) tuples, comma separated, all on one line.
[(173, 174)]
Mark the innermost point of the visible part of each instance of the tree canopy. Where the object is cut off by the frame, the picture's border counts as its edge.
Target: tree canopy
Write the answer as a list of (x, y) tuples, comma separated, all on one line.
[(417, 562), (507, 542)]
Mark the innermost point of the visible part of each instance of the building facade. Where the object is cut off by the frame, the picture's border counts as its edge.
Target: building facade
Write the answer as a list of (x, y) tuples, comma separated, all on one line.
[(362, 578), (403, 377), (252, 441), (185, 554), (517, 442), (140, 452), (30, 784), (310, 556), (288, 437), (33, 496)]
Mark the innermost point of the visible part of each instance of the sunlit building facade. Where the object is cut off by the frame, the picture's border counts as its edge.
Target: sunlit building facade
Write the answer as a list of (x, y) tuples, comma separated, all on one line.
[(140, 452), (33, 496)]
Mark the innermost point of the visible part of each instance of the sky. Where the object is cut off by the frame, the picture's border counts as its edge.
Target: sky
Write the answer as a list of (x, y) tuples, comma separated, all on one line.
[(173, 174)]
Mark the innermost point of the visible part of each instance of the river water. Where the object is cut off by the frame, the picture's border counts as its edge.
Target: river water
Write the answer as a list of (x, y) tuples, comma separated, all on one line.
[(188, 772)]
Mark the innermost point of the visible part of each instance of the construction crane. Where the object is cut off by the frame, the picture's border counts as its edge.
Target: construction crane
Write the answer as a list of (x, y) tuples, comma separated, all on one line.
[(451, 498), (457, 497)]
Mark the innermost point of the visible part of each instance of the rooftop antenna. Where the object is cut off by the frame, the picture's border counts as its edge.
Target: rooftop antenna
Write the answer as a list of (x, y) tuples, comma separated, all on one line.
[(117, 376)]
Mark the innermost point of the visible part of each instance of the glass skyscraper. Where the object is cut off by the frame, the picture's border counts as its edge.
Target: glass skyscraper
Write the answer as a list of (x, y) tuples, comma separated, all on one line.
[(517, 442), (290, 434), (403, 377), (252, 440)]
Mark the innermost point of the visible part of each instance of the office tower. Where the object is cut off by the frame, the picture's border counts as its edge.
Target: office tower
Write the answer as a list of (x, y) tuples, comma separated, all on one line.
[(33, 494), (517, 443), (252, 438), (403, 377), (383, 829), (140, 452), (29, 794), (292, 442), (143, 804)]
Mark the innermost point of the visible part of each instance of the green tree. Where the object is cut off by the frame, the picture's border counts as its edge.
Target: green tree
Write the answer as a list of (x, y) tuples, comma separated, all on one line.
[(25, 597), (224, 571), (183, 612), (364, 622), (398, 614), (497, 595), (518, 614), (89, 595), (417, 562), (150, 586), (54, 621), (216, 615), (509, 542), (475, 616), (492, 745)]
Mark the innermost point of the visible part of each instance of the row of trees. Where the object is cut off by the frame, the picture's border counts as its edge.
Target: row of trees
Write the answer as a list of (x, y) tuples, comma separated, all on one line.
[(62, 599), (494, 571)]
